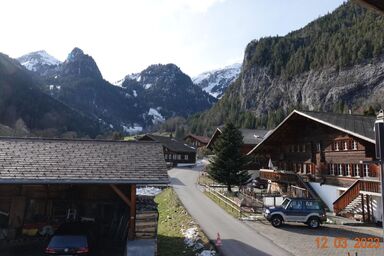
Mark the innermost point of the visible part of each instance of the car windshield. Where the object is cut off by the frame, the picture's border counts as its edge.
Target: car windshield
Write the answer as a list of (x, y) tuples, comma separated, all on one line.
[(285, 203), (68, 241)]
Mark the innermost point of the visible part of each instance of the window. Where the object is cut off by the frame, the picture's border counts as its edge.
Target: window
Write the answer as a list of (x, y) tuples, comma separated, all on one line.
[(354, 145), (355, 170), (285, 203), (303, 148), (178, 157), (186, 157), (332, 169), (318, 147), (348, 170), (336, 146), (312, 205), (340, 170), (366, 170), (345, 145), (304, 168), (296, 205)]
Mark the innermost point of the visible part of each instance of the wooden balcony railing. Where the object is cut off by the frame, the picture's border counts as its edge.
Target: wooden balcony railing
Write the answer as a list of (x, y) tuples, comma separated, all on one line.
[(353, 191), (278, 176)]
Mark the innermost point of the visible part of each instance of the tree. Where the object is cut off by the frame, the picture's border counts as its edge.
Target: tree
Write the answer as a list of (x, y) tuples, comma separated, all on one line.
[(228, 164)]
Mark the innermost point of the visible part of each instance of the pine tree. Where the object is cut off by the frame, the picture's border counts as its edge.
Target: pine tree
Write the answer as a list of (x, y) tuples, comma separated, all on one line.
[(228, 164)]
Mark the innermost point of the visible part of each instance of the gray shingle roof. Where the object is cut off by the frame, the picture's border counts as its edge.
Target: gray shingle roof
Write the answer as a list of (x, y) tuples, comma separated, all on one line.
[(28, 160), (253, 137), (354, 124), (171, 143)]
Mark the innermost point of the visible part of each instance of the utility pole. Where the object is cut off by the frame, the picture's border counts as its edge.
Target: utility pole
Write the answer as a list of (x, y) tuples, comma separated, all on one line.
[(379, 148)]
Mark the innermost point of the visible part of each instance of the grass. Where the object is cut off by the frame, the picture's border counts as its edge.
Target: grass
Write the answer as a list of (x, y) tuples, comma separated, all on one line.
[(172, 218)]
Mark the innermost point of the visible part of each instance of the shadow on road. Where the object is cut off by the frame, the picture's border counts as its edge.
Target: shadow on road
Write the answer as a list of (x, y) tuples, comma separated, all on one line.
[(234, 247), (176, 181)]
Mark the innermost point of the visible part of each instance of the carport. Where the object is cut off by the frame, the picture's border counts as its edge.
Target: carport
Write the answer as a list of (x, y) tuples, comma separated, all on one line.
[(45, 182)]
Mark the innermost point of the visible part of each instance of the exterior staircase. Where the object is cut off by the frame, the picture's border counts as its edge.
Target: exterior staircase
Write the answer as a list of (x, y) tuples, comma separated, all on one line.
[(350, 200), (310, 190)]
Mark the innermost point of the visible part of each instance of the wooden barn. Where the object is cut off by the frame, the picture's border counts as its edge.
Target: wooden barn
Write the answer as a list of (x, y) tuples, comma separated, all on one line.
[(250, 138), (328, 156), (46, 182), (175, 152), (196, 140)]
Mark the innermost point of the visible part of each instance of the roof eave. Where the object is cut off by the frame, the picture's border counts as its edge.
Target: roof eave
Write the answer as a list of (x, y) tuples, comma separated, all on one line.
[(85, 181), (317, 120)]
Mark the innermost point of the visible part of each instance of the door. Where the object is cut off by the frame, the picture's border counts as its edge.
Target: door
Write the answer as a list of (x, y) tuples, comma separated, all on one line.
[(295, 211)]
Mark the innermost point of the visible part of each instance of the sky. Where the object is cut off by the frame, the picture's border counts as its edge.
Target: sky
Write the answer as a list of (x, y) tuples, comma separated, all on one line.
[(126, 36)]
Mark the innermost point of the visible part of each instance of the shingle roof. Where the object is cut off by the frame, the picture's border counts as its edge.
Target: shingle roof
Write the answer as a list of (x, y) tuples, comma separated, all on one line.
[(253, 137), (28, 160), (355, 124), (172, 144), (202, 139)]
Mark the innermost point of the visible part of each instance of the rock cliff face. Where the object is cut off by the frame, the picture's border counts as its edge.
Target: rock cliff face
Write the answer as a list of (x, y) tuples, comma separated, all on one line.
[(327, 89), (333, 64)]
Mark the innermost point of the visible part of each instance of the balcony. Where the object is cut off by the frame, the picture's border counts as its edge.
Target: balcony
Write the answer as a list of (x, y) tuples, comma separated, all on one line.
[(278, 176)]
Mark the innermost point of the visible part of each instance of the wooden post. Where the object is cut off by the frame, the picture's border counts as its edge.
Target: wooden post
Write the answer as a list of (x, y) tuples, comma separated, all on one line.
[(132, 220), (121, 195), (368, 210), (362, 205)]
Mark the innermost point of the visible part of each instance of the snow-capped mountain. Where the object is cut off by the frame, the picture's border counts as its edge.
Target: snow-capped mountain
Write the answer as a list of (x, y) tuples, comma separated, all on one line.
[(215, 82), (36, 60), (167, 91), (133, 104)]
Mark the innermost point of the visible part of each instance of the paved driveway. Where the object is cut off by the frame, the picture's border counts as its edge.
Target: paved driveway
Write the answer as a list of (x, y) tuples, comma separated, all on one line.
[(327, 240), (237, 238), (259, 237)]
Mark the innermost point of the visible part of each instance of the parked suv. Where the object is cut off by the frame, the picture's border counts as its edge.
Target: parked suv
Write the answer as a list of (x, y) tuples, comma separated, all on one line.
[(308, 211)]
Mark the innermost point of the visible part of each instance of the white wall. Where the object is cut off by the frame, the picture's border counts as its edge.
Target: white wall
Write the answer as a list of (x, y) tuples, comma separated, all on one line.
[(377, 208), (327, 193)]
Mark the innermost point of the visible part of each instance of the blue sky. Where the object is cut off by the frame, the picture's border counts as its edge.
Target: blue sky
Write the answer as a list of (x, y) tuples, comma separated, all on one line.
[(126, 36)]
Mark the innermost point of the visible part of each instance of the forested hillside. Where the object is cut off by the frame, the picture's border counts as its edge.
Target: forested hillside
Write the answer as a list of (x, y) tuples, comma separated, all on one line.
[(335, 63)]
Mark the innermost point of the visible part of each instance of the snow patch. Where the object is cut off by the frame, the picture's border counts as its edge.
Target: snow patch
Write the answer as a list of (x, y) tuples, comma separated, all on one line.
[(31, 60), (148, 191), (156, 116), (133, 129), (216, 81), (119, 83), (147, 86)]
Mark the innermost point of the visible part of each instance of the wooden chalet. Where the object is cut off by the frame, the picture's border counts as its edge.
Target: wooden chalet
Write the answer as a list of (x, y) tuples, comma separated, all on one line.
[(196, 140), (250, 138), (175, 152), (46, 182), (327, 156)]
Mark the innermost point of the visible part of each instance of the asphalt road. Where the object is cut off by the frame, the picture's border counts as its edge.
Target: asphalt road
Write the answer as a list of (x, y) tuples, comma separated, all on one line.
[(237, 238)]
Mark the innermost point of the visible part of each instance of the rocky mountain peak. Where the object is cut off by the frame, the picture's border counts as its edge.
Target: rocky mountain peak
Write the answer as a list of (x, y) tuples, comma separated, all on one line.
[(215, 82), (35, 61), (74, 54), (80, 65)]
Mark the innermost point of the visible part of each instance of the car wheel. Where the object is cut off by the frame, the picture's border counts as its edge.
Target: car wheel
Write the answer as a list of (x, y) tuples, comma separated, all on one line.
[(276, 221), (313, 222), (261, 186)]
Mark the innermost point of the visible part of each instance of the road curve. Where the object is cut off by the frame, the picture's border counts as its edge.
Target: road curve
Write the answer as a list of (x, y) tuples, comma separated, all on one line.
[(237, 238)]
